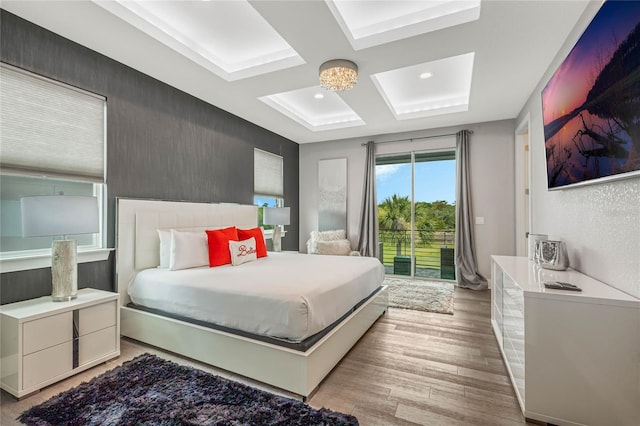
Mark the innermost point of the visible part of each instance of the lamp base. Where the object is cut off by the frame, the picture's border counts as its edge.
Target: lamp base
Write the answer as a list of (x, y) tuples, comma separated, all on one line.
[(64, 271), (277, 238)]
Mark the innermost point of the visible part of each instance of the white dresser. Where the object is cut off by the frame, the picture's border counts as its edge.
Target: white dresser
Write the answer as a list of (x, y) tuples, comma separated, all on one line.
[(45, 341), (573, 357)]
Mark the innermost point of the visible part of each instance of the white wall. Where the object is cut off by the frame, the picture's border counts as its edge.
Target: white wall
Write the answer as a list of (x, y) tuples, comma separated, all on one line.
[(491, 179), (600, 223)]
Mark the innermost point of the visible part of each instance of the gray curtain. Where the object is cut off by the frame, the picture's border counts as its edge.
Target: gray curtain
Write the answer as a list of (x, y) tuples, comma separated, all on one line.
[(368, 239), (467, 273)]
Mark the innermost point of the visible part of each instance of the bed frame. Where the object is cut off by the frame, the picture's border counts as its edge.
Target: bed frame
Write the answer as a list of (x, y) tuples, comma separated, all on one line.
[(137, 247)]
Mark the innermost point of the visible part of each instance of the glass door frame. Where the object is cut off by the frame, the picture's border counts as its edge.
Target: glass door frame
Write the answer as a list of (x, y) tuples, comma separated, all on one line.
[(445, 152)]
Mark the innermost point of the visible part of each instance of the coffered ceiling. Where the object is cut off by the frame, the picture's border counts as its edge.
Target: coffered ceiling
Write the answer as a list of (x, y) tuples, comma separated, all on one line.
[(422, 64)]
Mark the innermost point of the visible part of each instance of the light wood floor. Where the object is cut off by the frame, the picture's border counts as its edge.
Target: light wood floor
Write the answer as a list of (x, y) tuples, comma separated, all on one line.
[(410, 368)]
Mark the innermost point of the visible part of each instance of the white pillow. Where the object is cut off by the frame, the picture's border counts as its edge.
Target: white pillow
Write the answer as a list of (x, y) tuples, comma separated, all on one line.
[(315, 236), (337, 234), (165, 248), (339, 247), (243, 251), (188, 250)]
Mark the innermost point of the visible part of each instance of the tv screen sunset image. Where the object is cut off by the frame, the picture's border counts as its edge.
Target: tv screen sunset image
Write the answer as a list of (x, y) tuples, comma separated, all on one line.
[(591, 104)]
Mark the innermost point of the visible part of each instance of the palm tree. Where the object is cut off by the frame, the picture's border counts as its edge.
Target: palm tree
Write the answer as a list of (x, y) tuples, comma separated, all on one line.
[(394, 217), (433, 218)]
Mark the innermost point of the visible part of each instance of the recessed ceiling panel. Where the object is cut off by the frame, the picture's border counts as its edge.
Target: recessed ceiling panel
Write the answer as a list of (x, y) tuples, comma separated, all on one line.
[(229, 38), (370, 23), (315, 108), (515, 42), (427, 89)]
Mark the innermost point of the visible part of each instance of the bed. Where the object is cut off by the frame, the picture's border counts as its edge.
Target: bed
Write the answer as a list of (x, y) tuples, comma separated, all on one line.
[(322, 320)]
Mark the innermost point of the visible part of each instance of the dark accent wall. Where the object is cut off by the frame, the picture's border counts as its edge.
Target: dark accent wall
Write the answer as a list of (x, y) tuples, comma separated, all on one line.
[(161, 143)]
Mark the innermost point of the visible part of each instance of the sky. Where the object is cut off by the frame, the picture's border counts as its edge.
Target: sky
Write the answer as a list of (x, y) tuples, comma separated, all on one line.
[(435, 180), (261, 201)]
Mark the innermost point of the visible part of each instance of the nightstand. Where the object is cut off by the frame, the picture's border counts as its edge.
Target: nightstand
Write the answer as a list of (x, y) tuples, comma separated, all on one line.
[(45, 341)]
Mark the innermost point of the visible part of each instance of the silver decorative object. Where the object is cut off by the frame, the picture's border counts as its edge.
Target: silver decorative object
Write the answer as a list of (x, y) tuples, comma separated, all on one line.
[(533, 239), (553, 255)]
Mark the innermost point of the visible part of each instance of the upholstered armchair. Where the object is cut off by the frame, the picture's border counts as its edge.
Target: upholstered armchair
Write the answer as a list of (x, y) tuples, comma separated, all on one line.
[(333, 242)]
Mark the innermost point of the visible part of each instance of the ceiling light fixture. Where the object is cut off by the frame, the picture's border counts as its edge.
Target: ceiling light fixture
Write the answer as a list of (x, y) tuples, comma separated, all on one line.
[(425, 75), (318, 96), (338, 74)]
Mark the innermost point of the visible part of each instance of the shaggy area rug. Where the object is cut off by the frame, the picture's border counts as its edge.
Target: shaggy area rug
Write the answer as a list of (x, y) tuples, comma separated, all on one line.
[(149, 390), (419, 295)]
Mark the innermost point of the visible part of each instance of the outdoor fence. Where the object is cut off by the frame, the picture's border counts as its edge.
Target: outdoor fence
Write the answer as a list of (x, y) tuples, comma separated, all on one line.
[(434, 252)]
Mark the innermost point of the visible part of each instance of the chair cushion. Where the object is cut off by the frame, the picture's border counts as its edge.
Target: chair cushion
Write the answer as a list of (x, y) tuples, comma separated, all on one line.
[(339, 247)]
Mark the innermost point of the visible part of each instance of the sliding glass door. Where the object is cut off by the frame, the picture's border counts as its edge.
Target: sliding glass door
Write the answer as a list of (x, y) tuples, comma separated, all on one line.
[(416, 213)]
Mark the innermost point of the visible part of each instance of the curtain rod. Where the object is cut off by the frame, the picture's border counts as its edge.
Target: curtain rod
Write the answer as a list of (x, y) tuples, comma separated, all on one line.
[(418, 138)]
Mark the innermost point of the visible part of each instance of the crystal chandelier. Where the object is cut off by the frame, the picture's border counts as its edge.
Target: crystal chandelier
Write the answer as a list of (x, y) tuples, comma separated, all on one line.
[(338, 74)]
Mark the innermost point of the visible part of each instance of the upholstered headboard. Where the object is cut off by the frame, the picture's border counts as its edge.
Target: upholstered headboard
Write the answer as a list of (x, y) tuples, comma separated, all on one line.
[(137, 222)]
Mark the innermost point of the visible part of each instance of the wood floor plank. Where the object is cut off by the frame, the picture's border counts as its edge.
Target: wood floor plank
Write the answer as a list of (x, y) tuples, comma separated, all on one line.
[(453, 412), (427, 417), (484, 375), (495, 398), (469, 404), (376, 417)]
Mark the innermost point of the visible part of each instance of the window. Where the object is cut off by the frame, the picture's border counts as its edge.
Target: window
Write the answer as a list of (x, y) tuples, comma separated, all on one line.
[(12, 188), (268, 183), (53, 142), (262, 201)]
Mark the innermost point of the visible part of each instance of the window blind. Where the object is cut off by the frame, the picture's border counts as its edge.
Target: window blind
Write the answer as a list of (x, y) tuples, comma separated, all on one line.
[(49, 127), (268, 175)]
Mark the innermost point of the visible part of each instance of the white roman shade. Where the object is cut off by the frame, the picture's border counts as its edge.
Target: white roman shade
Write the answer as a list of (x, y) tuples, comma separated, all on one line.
[(268, 175), (49, 127)]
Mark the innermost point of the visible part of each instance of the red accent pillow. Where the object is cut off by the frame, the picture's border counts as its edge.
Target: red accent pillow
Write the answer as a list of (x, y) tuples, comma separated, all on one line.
[(261, 246), (219, 245)]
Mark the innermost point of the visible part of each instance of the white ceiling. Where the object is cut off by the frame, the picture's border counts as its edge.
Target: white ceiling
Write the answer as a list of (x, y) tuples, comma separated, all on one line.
[(259, 59)]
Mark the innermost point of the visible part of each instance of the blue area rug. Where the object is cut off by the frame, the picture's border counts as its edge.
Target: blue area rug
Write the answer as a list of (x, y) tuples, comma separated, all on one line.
[(149, 390)]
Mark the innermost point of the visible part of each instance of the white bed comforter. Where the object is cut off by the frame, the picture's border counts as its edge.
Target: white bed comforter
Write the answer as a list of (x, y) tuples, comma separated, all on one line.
[(284, 295)]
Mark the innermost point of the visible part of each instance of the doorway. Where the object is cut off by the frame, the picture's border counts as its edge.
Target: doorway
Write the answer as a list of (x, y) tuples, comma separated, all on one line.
[(416, 213), (522, 187)]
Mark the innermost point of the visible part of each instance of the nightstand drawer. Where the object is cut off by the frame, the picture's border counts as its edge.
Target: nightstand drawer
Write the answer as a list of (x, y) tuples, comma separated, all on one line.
[(97, 317), (47, 332), (46, 364), (96, 345)]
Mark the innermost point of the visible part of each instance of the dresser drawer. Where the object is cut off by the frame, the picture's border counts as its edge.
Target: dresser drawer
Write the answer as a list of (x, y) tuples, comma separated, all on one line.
[(97, 317), (46, 364), (47, 332), (96, 345)]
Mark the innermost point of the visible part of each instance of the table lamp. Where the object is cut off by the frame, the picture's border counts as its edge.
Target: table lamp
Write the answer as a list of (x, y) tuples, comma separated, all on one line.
[(60, 215), (276, 216)]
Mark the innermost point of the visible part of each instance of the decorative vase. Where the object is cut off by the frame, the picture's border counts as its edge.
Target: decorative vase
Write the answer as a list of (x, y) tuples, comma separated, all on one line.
[(533, 239), (553, 255)]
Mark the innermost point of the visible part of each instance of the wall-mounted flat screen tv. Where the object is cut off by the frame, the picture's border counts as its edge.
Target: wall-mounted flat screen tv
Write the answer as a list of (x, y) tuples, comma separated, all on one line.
[(591, 104)]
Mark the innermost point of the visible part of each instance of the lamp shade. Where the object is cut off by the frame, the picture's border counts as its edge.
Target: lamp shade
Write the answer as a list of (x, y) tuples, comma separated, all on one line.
[(276, 216), (51, 215)]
